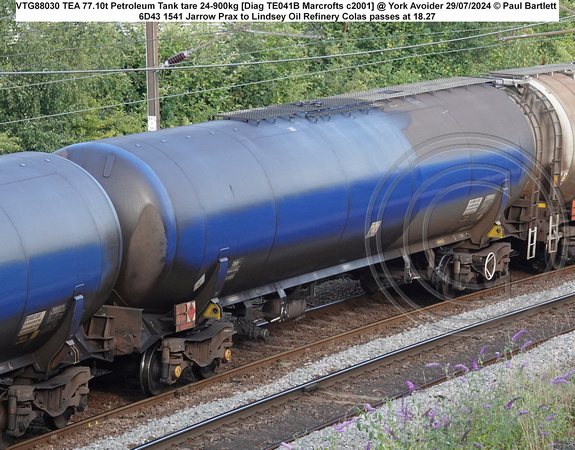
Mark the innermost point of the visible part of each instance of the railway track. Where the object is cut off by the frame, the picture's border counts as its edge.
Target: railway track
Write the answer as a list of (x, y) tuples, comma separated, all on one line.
[(305, 349), (181, 436)]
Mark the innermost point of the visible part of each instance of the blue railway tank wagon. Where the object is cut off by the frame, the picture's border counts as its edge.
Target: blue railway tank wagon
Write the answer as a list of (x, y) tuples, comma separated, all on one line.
[(61, 249), (543, 218), (216, 214)]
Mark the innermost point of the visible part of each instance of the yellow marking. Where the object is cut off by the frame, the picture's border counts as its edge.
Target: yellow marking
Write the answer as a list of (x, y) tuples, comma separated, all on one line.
[(495, 232), (542, 205), (213, 311)]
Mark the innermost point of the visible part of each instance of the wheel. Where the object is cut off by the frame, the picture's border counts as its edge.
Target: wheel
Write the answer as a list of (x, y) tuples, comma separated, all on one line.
[(201, 373), (151, 371), (445, 288), (368, 284), (55, 423), (5, 440), (556, 260), (448, 292)]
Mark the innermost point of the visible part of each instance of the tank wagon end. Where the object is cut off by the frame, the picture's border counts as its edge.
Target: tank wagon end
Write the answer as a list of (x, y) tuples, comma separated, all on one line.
[(61, 250)]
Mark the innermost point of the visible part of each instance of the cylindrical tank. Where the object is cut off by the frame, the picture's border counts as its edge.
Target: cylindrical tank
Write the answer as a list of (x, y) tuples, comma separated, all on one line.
[(555, 120), (286, 197), (60, 239)]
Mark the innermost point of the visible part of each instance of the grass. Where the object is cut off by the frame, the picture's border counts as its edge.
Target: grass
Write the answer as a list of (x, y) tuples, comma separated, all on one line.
[(505, 406)]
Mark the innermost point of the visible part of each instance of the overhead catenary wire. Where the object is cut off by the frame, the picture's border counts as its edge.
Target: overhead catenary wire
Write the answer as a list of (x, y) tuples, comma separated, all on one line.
[(547, 33), (287, 77), (336, 41), (277, 61), (112, 44), (64, 80), (331, 41)]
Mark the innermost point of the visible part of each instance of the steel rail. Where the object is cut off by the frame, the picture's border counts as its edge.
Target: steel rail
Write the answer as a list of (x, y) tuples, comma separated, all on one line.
[(420, 387), (99, 419), (342, 375)]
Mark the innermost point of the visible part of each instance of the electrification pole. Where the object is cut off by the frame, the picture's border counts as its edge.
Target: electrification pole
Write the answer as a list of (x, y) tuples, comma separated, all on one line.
[(152, 76)]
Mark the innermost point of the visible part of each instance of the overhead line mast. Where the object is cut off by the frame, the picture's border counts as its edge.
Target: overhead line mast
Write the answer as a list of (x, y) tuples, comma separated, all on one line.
[(152, 76)]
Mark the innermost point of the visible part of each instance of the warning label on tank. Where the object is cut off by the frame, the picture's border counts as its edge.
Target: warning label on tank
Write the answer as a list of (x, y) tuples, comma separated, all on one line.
[(233, 268), (32, 323), (489, 199), (55, 316), (373, 229), (472, 206)]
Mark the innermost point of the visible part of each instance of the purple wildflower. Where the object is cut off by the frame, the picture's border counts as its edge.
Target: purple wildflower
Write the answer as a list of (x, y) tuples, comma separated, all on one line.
[(431, 413), (289, 447), (465, 410), (433, 365), (487, 406), (564, 377), (402, 412), (370, 408), (368, 447), (508, 364), (518, 334), (524, 364), (475, 366), (551, 417), (497, 355), (461, 367), (558, 380), (527, 344), (478, 445), (445, 420), (508, 406), (543, 376), (393, 436), (344, 425), (410, 386), (544, 433), (463, 379), (522, 413)]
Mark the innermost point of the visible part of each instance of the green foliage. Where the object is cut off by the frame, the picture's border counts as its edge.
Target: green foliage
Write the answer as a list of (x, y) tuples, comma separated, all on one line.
[(45, 112), (9, 144)]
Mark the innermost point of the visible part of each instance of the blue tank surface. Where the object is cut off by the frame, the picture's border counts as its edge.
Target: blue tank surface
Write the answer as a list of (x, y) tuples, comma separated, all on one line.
[(61, 250), (295, 199)]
